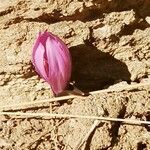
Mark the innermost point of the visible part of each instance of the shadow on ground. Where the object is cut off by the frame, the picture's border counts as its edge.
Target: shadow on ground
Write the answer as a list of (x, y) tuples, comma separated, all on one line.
[(93, 69)]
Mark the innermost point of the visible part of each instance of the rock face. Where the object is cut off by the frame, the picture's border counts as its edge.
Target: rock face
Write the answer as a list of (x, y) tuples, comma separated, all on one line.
[(109, 41)]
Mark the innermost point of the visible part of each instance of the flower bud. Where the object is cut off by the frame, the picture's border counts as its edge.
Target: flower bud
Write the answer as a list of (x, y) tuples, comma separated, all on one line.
[(52, 61)]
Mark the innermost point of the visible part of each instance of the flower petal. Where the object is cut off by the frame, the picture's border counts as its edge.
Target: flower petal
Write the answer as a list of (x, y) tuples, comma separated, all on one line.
[(38, 61), (52, 61)]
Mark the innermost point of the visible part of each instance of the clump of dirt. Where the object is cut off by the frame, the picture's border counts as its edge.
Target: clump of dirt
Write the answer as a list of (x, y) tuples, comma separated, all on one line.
[(110, 47)]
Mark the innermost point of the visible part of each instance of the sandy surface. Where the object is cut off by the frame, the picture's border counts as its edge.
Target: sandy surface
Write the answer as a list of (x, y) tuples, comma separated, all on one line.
[(109, 43)]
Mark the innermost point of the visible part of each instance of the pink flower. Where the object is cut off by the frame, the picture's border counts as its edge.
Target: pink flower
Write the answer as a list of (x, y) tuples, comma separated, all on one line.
[(52, 61)]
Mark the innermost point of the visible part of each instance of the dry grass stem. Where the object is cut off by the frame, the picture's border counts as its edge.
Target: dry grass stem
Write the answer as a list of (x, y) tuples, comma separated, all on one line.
[(62, 98), (30, 104), (53, 115), (84, 140)]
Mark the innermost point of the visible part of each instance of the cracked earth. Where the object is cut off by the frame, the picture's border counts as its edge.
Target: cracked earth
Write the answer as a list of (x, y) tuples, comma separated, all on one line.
[(109, 41)]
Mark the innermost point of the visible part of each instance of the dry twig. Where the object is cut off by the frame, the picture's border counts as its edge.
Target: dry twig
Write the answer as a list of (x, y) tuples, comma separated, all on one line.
[(62, 98), (49, 115), (82, 141)]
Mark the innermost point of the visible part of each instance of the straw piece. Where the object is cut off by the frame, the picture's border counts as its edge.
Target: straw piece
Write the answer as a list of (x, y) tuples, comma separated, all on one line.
[(21, 105), (122, 88), (85, 138), (30, 104), (53, 115)]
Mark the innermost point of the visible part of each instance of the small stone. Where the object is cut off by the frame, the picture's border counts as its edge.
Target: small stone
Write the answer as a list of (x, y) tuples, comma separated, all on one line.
[(148, 19)]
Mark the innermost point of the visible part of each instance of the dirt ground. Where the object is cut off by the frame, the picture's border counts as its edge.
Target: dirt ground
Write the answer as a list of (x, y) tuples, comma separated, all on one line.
[(109, 41)]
